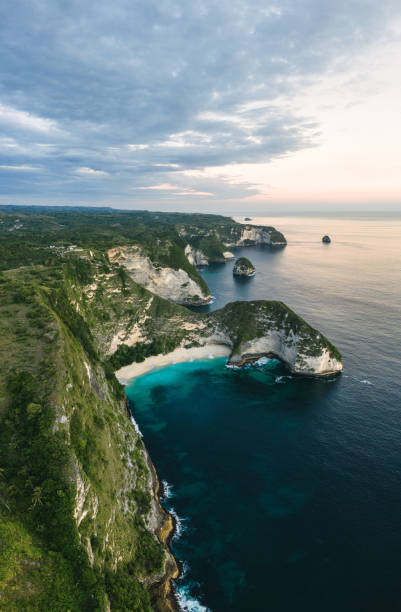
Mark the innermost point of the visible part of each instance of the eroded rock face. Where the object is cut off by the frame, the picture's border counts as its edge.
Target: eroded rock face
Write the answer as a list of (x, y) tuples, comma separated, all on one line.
[(258, 235), (253, 234), (271, 329), (285, 347), (174, 285), (195, 256)]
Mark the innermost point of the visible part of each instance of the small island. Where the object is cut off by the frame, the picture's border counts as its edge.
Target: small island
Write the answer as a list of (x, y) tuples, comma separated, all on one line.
[(326, 239), (243, 267), (248, 219)]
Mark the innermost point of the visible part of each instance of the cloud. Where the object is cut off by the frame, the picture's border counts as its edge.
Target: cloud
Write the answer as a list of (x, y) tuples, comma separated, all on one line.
[(84, 171), (25, 121), (22, 168), (163, 187), (130, 94)]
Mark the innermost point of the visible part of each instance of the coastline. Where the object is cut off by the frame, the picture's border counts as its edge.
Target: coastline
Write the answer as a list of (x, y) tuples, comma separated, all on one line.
[(162, 592), (163, 595), (179, 355)]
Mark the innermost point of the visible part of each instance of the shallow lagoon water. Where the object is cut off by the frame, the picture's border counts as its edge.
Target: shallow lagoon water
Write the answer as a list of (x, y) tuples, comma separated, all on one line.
[(289, 488)]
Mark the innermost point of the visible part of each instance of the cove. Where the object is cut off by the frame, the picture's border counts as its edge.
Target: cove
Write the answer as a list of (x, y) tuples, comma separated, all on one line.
[(289, 488), (261, 481)]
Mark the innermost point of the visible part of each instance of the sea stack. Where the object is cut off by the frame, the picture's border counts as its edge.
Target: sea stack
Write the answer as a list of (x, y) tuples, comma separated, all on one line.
[(243, 267), (326, 239)]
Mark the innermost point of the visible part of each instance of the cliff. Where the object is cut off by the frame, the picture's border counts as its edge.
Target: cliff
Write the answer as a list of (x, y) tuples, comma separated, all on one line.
[(211, 246), (271, 329), (174, 285), (81, 526)]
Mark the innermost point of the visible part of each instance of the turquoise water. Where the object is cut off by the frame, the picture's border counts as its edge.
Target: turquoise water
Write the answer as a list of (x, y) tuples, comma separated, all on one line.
[(288, 489)]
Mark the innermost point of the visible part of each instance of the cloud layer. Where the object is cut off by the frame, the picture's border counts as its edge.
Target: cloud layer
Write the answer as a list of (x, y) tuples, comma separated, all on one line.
[(130, 100)]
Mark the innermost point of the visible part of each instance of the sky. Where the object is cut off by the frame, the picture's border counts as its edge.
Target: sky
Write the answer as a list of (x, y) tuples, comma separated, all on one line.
[(202, 106)]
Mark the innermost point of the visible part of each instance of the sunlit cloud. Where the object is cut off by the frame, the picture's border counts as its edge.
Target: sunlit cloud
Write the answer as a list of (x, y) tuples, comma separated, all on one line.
[(84, 171), (26, 121)]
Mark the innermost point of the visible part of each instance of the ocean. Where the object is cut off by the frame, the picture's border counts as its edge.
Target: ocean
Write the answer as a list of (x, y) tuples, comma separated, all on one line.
[(288, 490)]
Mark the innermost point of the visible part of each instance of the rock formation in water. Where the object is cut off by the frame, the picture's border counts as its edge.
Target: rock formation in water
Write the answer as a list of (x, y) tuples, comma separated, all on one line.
[(271, 329), (243, 267)]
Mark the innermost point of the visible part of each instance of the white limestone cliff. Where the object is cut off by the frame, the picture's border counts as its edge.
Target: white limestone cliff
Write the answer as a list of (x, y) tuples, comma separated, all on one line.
[(174, 285)]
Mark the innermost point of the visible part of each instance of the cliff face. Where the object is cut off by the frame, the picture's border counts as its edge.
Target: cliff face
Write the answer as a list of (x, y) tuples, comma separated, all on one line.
[(81, 526), (174, 285), (214, 250), (251, 330), (195, 256)]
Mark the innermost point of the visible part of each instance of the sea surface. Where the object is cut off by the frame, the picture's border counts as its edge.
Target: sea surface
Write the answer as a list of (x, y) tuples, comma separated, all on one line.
[(288, 490)]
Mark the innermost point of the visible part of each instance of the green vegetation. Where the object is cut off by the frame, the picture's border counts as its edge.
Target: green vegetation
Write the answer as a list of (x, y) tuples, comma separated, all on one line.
[(245, 321), (211, 246), (243, 267), (125, 355), (62, 419)]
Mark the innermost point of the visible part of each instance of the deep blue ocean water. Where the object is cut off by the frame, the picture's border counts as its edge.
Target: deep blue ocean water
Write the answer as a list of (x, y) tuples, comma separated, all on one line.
[(289, 489)]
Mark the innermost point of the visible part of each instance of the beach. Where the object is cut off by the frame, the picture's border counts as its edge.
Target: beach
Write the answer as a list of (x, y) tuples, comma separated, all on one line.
[(179, 355)]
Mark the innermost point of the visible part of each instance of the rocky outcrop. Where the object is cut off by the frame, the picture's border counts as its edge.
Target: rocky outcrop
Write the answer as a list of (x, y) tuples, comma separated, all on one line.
[(174, 285), (271, 329), (243, 267), (259, 234)]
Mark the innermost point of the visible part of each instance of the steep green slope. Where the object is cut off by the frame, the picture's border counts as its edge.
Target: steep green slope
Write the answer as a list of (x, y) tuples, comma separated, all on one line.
[(79, 514)]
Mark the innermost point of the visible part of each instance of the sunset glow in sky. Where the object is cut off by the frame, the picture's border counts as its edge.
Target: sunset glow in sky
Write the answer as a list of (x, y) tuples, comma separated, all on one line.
[(175, 105)]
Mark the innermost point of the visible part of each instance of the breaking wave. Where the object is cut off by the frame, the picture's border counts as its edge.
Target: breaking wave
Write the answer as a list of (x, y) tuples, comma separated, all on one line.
[(167, 490), (135, 424), (187, 603)]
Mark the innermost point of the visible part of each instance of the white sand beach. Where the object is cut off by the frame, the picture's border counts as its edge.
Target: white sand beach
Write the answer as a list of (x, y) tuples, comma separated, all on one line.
[(210, 351)]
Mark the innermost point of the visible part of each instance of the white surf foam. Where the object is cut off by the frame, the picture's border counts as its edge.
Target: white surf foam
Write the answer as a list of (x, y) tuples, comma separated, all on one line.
[(364, 381), (180, 527), (262, 361), (167, 490), (135, 424), (282, 379), (187, 603)]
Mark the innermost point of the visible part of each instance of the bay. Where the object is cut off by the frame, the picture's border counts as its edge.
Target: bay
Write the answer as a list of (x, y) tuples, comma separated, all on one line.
[(289, 488)]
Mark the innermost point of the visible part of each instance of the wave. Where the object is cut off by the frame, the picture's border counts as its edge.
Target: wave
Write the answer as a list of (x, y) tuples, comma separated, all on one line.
[(364, 381), (135, 424), (282, 379), (167, 490), (187, 603), (262, 361), (180, 527)]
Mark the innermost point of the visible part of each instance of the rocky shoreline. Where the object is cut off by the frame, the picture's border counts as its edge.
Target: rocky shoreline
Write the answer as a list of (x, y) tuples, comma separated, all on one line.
[(250, 359), (162, 593)]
